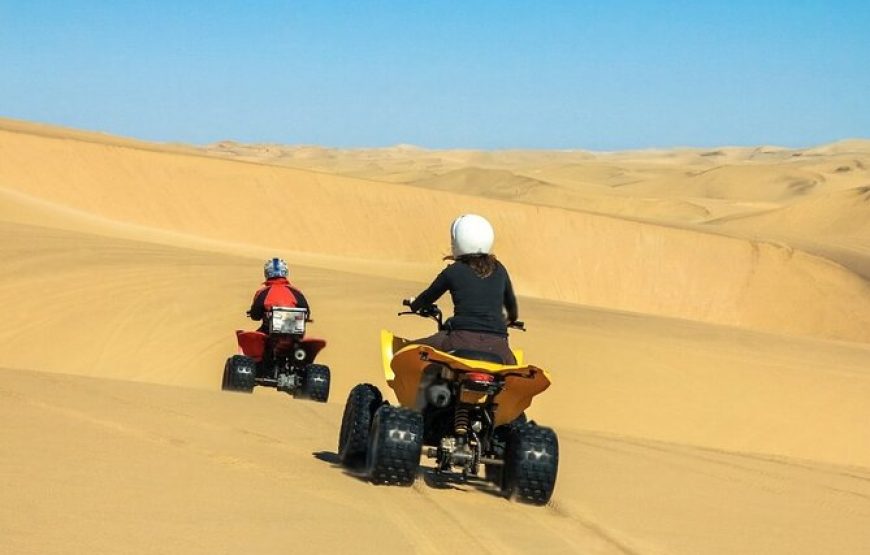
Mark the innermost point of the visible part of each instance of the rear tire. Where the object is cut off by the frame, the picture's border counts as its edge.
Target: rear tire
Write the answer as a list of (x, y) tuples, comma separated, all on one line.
[(495, 472), (531, 463), (395, 444), (353, 439), (315, 383), (239, 374)]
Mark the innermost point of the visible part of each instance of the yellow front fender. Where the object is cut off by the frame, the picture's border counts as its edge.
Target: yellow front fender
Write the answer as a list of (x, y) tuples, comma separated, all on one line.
[(390, 344)]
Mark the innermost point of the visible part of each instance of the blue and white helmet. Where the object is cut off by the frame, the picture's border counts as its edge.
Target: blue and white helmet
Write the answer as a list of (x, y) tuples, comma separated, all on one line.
[(275, 268)]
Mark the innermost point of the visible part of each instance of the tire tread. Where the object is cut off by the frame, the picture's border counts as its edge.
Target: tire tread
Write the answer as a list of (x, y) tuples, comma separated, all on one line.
[(316, 389), (234, 380), (533, 462), (397, 459), (353, 439)]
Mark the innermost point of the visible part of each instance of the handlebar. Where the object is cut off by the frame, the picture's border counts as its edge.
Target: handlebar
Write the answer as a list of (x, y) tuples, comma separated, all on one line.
[(432, 311), (423, 312)]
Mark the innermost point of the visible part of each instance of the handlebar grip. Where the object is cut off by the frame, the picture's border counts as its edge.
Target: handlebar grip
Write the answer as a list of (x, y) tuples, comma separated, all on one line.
[(406, 302)]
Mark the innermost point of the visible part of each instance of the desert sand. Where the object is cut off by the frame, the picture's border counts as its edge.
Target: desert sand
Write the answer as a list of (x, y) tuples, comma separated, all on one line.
[(705, 315)]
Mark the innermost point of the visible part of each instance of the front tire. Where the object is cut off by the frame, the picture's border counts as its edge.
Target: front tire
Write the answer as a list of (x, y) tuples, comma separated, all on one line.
[(359, 410), (315, 383), (395, 444), (239, 374), (531, 463)]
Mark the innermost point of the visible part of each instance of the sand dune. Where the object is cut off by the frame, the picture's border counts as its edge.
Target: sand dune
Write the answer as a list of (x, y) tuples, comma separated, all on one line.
[(714, 182), (673, 272), (163, 314), (484, 182), (834, 225), (515, 187), (710, 391), (149, 468), (838, 218), (846, 146)]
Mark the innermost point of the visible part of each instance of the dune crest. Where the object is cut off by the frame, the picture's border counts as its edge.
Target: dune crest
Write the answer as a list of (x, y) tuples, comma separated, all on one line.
[(588, 259)]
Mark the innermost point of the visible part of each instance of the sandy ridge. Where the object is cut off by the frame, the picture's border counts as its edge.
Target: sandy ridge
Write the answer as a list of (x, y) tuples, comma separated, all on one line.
[(590, 268)]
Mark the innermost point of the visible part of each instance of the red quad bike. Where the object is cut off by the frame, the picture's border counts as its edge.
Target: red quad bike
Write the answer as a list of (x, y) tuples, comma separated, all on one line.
[(282, 358)]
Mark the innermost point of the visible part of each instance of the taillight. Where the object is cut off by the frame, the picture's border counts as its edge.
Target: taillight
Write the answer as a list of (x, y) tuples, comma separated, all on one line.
[(476, 386), (479, 377)]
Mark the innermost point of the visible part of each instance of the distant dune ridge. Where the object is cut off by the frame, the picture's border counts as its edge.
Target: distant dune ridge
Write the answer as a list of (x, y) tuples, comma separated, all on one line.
[(705, 314), (571, 256)]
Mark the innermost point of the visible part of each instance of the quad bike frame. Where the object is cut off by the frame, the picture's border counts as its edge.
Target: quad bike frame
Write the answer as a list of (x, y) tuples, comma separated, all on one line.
[(282, 361), (464, 409)]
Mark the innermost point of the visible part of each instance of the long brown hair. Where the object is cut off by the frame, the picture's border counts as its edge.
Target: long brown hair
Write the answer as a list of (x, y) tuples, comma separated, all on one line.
[(482, 264)]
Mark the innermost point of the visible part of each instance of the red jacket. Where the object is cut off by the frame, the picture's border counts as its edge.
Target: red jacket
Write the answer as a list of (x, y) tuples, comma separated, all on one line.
[(277, 292)]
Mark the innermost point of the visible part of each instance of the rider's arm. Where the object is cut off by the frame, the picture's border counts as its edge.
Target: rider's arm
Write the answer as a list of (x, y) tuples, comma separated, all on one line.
[(258, 307), (301, 301), (432, 293), (510, 302)]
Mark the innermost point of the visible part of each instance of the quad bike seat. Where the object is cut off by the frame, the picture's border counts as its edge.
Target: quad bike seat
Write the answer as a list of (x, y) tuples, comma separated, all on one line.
[(472, 354)]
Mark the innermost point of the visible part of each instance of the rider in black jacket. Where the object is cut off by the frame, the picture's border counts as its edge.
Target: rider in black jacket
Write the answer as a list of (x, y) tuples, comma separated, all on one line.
[(483, 296)]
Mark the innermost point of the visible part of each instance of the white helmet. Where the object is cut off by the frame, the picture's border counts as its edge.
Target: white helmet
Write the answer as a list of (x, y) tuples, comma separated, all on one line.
[(471, 234), (274, 268)]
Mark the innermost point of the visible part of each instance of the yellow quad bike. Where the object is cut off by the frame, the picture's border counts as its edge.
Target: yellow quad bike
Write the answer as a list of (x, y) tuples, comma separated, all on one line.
[(462, 408)]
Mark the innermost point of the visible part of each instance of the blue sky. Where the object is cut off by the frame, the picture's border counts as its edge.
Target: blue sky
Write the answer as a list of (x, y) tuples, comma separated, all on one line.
[(477, 74)]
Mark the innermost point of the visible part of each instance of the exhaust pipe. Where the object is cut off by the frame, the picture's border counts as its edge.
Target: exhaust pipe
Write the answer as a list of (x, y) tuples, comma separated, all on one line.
[(438, 395)]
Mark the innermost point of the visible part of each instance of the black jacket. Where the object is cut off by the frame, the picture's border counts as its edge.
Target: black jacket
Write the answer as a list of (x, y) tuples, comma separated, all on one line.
[(477, 302)]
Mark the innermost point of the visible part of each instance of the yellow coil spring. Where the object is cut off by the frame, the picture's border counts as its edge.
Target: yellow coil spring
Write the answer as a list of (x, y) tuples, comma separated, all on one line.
[(461, 420)]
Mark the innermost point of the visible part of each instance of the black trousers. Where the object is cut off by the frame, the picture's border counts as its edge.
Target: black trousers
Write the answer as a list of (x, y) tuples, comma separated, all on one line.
[(464, 339)]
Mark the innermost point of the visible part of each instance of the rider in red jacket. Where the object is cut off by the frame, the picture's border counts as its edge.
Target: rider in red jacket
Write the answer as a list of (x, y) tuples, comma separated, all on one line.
[(276, 291)]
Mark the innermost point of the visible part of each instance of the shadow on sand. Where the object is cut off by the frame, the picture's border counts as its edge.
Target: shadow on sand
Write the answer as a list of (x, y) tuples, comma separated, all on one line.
[(430, 477), (437, 480), (328, 457), (331, 458)]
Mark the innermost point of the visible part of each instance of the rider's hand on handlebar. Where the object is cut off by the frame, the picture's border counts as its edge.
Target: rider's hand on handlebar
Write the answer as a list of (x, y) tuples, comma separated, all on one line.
[(407, 302), (430, 310)]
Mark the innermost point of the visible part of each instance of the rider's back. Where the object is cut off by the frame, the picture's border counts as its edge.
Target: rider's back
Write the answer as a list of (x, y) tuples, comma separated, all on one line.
[(276, 292), (477, 300)]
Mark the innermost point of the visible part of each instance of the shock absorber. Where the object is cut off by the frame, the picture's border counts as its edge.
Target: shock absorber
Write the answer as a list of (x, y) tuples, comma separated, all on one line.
[(461, 420)]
